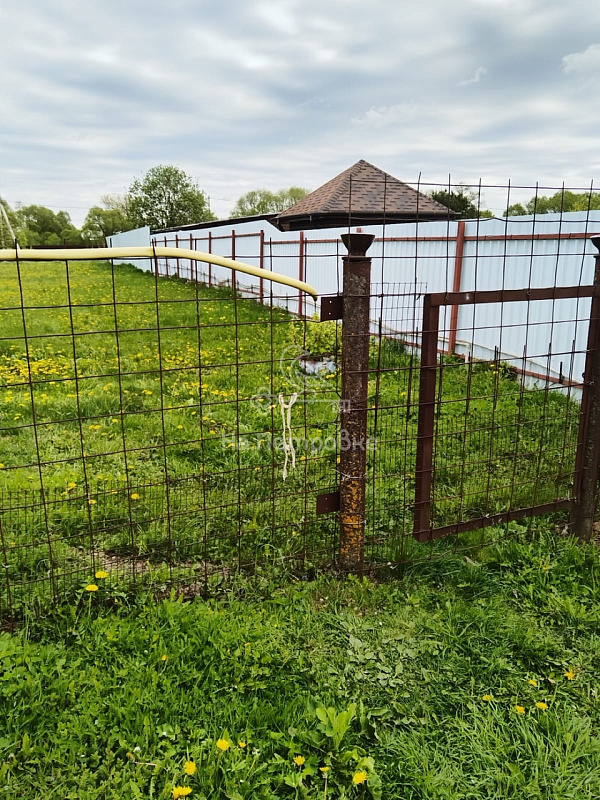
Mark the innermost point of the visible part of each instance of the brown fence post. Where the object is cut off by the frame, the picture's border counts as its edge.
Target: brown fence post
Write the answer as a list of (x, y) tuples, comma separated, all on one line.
[(355, 375), (456, 284), (261, 264), (192, 263), (588, 455), (301, 272), (233, 274)]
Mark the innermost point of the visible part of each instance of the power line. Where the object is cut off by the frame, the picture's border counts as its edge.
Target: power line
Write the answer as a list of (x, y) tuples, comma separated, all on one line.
[(60, 208)]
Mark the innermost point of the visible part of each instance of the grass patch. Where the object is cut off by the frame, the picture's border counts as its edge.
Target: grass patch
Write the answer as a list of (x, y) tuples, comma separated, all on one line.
[(470, 679)]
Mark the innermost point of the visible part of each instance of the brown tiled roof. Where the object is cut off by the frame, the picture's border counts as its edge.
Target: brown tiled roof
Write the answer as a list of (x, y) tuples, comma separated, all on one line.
[(362, 194)]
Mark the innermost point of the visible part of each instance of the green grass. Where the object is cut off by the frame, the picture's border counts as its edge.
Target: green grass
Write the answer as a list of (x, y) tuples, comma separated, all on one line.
[(91, 708), (152, 438)]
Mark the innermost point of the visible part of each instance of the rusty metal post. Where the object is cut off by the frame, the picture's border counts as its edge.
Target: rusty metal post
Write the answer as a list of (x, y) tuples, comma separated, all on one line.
[(261, 264), (233, 273), (456, 284), (301, 272), (588, 451), (426, 422), (355, 375)]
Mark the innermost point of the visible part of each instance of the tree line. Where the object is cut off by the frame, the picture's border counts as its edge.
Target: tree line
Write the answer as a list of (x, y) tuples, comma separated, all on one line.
[(167, 197), (467, 203)]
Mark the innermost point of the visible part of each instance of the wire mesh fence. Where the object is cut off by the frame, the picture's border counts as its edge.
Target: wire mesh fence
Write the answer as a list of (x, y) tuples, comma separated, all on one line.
[(176, 424), (142, 430)]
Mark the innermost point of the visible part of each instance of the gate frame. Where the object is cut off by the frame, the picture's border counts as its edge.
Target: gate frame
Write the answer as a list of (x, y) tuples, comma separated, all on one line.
[(422, 530)]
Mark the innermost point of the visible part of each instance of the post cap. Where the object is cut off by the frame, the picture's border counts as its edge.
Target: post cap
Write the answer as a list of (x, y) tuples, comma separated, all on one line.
[(357, 244)]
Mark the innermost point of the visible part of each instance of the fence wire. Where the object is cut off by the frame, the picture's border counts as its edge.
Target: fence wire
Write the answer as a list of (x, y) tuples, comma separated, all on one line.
[(175, 424), (142, 431)]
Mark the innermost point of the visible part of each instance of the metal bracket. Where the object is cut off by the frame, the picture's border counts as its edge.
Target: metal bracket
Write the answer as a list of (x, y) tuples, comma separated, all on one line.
[(326, 503), (332, 308)]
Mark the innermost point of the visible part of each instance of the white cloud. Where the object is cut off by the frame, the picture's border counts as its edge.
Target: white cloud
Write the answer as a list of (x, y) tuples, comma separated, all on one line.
[(586, 62), (383, 116), (480, 73)]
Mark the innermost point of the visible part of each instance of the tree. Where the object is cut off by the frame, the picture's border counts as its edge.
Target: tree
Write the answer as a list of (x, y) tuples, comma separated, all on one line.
[(263, 201), (116, 202), (515, 210), (41, 226), (9, 226), (166, 197), (558, 203), (465, 202), (103, 222)]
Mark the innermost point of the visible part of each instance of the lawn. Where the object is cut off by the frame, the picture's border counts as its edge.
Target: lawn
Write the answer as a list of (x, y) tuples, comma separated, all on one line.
[(470, 678), (148, 412)]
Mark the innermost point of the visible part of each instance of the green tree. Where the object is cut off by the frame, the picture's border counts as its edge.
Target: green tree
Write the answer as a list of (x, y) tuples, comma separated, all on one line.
[(464, 201), (263, 201), (116, 202), (9, 226), (40, 226), (515, 210), (103, 222), (166, 197), (558, 203)]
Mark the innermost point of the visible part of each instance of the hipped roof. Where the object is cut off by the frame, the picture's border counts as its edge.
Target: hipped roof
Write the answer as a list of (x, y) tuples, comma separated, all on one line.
[(361, 195)]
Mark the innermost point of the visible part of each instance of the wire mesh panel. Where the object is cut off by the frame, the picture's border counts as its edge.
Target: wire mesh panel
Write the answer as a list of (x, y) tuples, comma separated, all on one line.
[(142, 432), (496, 441), (177, 423)]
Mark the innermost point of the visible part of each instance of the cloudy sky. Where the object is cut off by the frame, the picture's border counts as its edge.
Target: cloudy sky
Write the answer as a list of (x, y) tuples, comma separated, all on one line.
[(269, 93)]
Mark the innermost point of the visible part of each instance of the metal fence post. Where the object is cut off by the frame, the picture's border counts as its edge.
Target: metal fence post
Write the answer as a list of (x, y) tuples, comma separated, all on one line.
[(456, 284), (588, 455), (355, 375)]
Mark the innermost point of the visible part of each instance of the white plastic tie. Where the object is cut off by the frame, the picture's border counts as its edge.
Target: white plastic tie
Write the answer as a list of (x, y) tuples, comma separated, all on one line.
[(288, 440)]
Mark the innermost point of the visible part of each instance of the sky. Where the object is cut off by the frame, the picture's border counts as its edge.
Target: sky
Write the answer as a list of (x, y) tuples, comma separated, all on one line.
[(246, 94)]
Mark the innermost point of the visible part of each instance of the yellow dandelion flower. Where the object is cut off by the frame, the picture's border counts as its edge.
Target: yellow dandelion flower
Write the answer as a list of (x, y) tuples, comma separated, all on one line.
[(101, 574), (299, 760), (164, 657), (359, 777), (135, 496), (569, 674), (519, 709), (189, 768), (1, 466), (241, 744), (181, 791), (532, 682), (324, 770), (542, 706), (92, 502), (487, 697), (223, 744), (91, 587)]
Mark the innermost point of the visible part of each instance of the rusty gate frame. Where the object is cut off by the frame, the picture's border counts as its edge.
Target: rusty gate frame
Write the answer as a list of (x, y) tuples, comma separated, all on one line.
[(422, 530)]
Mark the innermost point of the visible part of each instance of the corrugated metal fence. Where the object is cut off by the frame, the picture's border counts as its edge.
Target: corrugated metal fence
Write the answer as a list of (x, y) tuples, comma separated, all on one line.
[(471, 255)]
